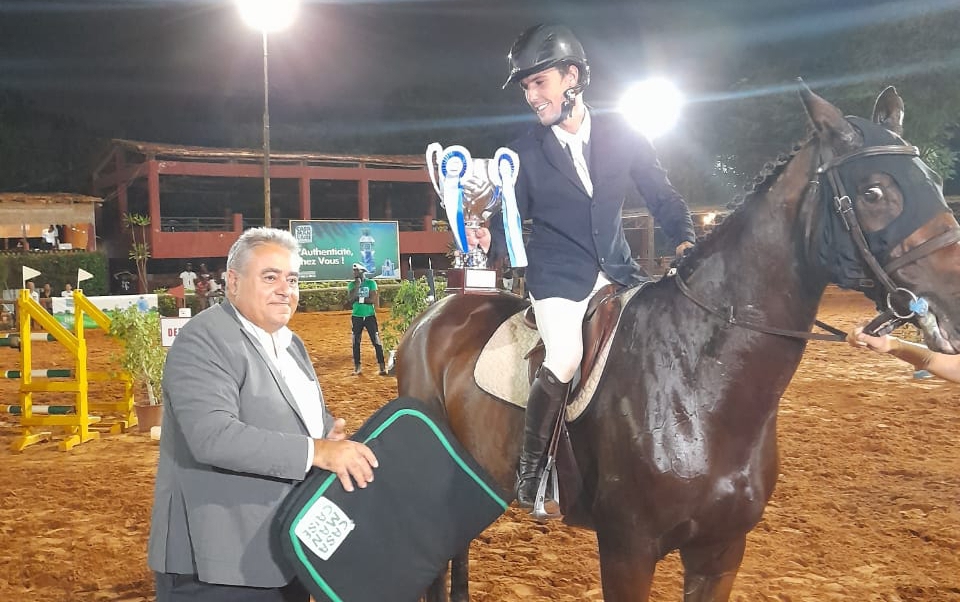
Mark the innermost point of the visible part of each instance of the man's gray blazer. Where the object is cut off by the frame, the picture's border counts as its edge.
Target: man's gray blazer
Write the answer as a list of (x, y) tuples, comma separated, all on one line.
[(233, 446)]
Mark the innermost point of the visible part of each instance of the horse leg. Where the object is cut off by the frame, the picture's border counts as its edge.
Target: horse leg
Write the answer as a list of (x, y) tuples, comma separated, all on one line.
[(626, 570), (460, 577), (709, 570)]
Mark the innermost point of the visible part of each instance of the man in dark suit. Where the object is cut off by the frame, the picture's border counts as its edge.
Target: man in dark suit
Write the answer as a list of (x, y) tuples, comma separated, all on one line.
[(244, 421), (575, 167)]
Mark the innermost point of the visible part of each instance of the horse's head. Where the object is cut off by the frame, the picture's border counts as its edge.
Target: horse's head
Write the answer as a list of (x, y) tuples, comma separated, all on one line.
[(883, 225)]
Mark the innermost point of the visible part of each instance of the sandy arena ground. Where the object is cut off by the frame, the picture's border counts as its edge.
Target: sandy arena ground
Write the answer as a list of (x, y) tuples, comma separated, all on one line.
[(867, 507)]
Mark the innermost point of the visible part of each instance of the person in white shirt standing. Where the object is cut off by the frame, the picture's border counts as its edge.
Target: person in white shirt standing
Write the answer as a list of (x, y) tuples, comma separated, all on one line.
[(50, 236), (244, 421), (189, 279)]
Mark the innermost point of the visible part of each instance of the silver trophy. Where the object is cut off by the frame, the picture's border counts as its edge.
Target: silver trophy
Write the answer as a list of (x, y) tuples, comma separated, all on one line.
[(467, 191)]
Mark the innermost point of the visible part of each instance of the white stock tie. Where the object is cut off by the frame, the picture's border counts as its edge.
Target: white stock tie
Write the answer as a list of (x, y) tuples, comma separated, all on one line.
[(580, 163)]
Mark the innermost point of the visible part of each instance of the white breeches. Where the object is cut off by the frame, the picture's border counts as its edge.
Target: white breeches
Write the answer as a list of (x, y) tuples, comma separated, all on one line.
[(560, 322)]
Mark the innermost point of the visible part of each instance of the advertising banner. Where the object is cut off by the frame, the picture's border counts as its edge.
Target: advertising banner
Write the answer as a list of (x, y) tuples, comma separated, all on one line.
[(329, 248), (62, 307)]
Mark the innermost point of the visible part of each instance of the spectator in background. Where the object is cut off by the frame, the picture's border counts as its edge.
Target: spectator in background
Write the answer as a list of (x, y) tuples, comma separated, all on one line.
[(51, 237), (46, 294), (216, 291), (189, 279), (202, 291), (362, 294), (67, 290), (32, 288)]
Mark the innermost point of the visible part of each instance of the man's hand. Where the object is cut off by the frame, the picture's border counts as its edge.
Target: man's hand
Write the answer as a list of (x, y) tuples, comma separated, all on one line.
[(339, 430), (683, 247), (479, 237), (350, 460)]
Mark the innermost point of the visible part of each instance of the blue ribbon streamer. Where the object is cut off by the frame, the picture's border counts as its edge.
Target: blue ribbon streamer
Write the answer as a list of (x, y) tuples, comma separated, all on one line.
[(453, 193), (506, 175)]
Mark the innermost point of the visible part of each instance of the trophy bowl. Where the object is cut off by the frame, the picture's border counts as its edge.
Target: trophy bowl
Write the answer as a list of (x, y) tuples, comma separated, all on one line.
[(471, 190), (480, 197)]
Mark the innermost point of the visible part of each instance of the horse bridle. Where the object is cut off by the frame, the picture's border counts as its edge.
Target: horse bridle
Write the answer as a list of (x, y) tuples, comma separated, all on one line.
[(902, 304), (896, 313)]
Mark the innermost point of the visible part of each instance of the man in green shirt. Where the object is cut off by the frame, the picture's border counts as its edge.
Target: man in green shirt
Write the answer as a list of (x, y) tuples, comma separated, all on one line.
[(362, 293)]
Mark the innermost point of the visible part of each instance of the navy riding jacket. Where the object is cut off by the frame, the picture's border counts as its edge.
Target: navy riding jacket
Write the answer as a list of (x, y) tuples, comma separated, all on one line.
[(575, 236)]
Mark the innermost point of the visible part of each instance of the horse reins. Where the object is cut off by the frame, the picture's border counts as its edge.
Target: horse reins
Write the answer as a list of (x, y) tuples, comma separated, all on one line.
[(728, 314), (887, 320)]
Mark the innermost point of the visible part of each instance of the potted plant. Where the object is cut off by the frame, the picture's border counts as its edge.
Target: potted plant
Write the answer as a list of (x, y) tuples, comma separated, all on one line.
[(411, 299), (143, 357)]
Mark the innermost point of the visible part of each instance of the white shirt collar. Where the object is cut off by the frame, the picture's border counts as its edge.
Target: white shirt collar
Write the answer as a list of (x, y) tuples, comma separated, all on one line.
[(272, 343), (582, 135)]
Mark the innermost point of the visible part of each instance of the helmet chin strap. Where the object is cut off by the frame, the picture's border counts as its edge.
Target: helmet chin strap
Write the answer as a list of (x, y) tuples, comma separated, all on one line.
[(569, 100)]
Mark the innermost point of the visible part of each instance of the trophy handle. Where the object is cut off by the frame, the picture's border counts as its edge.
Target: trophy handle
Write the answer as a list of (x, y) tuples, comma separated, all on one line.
[(493, 168), (432, 166)]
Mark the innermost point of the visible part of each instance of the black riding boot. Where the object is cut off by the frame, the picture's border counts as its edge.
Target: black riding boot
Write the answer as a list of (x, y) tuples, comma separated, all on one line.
[(547, 398)]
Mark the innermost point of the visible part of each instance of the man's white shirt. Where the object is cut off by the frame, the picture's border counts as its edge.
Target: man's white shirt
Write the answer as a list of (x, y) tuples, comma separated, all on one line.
[(306, 392)]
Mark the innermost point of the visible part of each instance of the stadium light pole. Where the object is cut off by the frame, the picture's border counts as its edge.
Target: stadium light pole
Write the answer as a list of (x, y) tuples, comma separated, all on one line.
[(267, 16)]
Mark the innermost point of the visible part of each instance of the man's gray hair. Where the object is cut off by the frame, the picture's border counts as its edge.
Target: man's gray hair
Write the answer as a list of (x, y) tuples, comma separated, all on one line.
[(255, 237)]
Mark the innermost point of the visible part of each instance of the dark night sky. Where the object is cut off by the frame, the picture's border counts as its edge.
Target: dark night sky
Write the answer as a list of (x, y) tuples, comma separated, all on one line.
[(184, 71), (189, 71)]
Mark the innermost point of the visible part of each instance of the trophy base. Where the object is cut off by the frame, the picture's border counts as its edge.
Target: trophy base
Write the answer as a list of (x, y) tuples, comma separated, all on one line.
[(473, 281)]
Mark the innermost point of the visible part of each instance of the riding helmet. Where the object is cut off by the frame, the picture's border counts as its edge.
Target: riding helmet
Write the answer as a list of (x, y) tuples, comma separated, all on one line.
[(545, 46)]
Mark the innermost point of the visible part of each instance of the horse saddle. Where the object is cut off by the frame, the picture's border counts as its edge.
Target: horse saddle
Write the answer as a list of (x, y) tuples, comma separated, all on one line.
[(599, 323), (509, 361)]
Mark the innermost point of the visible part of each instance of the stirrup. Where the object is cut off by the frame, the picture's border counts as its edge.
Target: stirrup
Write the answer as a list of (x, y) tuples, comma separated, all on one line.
[(548, 478)]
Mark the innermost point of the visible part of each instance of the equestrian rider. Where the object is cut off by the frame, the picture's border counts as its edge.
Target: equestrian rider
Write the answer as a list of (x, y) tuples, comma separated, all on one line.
[(575, 165)]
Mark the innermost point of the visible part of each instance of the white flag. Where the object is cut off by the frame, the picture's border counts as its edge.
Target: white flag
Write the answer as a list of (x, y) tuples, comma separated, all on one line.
[(82, 275), (28, 273)]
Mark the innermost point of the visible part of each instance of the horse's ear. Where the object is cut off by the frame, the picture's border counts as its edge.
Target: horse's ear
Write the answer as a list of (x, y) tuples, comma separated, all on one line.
[(888, 110), (829, 122)]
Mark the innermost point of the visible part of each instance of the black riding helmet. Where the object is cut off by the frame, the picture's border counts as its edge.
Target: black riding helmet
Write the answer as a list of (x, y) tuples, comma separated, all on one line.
[(545, 46)]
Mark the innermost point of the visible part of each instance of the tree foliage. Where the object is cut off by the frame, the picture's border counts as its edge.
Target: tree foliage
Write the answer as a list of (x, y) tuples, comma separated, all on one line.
[(410, 301), (139, 247), (847, 53)]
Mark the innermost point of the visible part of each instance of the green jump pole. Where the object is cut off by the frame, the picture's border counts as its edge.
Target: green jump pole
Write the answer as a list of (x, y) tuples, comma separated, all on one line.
[(13, 340), (40, 373), (44, 409)]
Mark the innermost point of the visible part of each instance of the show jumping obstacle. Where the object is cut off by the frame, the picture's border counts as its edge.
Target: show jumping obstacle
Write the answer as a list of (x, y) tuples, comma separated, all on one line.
[(38, 419)]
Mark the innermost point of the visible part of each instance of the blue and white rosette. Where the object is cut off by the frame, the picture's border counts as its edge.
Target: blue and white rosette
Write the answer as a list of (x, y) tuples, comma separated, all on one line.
[(504, 170), (454, 167)]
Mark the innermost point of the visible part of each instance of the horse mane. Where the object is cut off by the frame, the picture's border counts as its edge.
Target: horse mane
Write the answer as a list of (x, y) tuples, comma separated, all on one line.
[(763, 180), (752, 189)]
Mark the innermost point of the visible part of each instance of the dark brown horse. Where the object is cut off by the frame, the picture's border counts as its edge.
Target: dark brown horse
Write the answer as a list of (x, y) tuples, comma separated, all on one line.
[(678, 450)]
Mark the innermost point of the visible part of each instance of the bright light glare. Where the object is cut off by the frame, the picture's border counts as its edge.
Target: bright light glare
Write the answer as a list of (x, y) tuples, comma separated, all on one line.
[(268, 15), (652, 106), (709, 218)]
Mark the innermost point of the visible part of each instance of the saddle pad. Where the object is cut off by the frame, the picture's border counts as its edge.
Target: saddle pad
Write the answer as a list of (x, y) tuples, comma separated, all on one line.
[(389, 541), (502, 368)]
